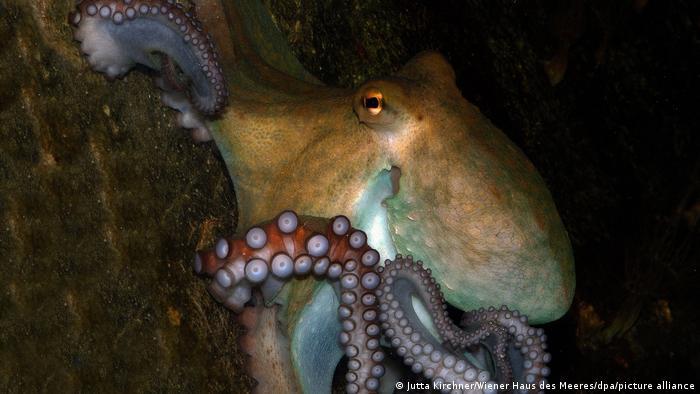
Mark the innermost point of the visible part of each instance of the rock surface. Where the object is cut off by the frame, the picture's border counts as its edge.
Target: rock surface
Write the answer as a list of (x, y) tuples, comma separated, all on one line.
[(102, 202)]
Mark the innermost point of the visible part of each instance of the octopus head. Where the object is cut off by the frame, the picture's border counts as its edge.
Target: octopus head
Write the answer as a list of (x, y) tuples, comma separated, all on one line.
[(465, 199)]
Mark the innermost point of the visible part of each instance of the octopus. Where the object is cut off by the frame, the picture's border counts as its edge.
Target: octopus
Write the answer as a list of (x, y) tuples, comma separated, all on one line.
[(377, 300), (416, 167)]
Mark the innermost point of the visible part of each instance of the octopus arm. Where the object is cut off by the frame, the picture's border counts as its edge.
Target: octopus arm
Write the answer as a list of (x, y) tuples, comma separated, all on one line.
[(116, 35), (518, 349), (272, 254), (481, 356), (425, 354), (316, 333)]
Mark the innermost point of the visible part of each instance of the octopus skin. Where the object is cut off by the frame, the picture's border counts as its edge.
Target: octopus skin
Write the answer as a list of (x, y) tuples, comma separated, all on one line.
[(375, 301)]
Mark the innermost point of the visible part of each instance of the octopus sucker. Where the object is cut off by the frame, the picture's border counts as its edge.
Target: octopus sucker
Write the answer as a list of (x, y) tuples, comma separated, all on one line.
[(116, 35), (376, 301), (262, 259)]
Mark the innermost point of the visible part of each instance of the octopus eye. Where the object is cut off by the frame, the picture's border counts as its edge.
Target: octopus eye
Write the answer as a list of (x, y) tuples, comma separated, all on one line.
[(372, 102)]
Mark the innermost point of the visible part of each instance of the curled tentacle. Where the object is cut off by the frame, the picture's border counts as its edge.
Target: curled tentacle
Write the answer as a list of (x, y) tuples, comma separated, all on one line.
[(268, 256), (496, 339), (118, 34), (525, 346), (440, 356), (420, 349), (493, 347)]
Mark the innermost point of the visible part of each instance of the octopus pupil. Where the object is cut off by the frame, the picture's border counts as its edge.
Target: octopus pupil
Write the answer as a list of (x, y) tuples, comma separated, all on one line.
[(371, 102)]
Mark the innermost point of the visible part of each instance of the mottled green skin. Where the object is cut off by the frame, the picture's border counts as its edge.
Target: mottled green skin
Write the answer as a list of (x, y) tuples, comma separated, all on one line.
[(469, 203), (485, 223)]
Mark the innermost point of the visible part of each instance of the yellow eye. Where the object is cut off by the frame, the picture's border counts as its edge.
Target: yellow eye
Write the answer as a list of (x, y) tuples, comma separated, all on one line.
[(372, 102)]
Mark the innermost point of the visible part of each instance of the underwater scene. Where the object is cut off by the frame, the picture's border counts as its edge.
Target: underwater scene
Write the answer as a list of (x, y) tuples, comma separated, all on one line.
[(324, 196)]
